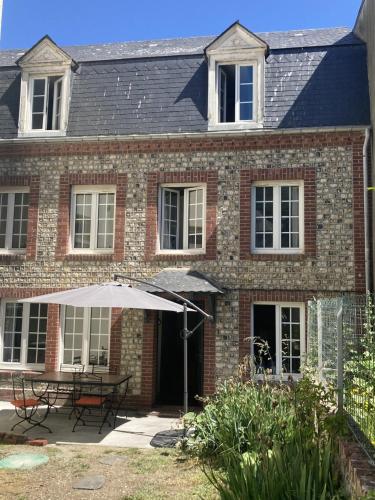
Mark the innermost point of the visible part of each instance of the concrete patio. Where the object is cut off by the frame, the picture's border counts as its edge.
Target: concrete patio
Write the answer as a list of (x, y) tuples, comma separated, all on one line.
[(134, 431)]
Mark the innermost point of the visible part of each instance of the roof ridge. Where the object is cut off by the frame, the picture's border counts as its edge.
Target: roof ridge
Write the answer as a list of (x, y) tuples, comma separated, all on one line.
[(182, 38)]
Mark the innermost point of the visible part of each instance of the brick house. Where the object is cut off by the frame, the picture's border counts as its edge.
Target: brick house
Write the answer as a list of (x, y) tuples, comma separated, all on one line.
[(229, 168)]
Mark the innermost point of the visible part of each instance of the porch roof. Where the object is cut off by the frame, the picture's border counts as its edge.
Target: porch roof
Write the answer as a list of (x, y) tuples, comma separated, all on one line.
[(182, 280)]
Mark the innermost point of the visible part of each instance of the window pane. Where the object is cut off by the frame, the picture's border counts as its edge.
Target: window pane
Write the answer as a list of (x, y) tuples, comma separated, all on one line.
[(265, 337), (227, 93), (106, 213), (99, 337), (246, 74), (169, 219), (12, 332), (3, 218), (37, 122), (264, 222), (82, 225), (39, 87), (195, 222), (73, 332), (290, 320), (38, 105), (246, 93), (246, 111), (37, 333)]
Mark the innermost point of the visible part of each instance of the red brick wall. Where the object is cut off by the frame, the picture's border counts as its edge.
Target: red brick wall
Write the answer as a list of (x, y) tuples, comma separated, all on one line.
[(154, 180), (249, 176), (168, 145), (116, 340), (358, 215), (66, 183), (33, 182)]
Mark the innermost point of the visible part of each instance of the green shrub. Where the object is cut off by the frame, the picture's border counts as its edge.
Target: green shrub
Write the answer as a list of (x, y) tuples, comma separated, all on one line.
[(294, 471)]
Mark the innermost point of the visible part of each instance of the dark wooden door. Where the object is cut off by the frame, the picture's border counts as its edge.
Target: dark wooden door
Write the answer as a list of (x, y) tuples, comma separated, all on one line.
[(170, 388)]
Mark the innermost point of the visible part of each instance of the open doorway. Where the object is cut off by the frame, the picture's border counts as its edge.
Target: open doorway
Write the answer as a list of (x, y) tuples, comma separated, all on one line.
[(170, 376)]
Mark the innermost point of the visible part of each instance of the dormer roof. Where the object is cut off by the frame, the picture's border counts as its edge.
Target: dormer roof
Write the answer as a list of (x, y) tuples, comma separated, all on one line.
[(45, 52), (236, 37)]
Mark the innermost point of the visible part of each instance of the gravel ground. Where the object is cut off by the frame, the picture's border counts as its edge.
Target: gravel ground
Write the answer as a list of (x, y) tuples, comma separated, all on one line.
[(136, 474)]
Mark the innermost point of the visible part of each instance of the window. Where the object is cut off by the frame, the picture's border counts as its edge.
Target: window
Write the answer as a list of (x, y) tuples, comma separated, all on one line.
[(24, 330), (182, 218), (86, 336), (278, 337), (14, 208), (45, 102), (93, 219), (236, 93), (277, 218)]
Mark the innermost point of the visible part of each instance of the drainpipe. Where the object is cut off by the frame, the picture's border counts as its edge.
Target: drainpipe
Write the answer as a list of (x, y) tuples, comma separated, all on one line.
[(365, 208)]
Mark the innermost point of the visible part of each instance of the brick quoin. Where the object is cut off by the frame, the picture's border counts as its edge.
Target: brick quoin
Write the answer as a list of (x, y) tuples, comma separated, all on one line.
[(248, 177), (149, 356), (210, 178), (63, 236), (33, 182)]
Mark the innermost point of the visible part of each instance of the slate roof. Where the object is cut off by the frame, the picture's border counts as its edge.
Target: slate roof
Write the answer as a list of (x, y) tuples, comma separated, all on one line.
[(313, 78), (192, 45), (181, 280)]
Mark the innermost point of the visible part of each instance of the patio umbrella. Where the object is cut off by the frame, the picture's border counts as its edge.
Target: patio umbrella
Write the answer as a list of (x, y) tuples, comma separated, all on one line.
[(108, 295)]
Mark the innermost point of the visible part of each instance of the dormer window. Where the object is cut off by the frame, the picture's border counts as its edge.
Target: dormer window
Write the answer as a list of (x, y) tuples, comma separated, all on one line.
[(45, 102), (236, 80), (45, 89)]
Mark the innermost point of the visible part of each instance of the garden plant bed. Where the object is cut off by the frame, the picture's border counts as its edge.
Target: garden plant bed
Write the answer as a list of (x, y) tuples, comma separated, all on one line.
[(140, 474)]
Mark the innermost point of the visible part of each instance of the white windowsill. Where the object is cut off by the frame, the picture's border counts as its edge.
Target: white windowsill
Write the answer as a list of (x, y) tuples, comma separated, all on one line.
[(235, 126), (258, 251), (12, 252), (181, 252), (42, 133), (21, 367)]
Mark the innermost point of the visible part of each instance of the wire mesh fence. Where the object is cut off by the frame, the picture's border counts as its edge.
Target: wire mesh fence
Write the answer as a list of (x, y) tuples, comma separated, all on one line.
[(341, 345)]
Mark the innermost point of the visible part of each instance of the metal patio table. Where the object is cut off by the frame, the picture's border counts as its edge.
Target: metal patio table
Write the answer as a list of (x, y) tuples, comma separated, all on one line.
[(57, 379)]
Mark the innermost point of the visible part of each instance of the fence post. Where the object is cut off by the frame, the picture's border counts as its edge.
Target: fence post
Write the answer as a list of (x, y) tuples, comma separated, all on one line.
[(340, 357), (319, 322)]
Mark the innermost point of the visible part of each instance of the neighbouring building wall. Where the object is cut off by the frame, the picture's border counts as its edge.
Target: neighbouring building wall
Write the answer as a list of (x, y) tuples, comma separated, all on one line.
[(365, 29)]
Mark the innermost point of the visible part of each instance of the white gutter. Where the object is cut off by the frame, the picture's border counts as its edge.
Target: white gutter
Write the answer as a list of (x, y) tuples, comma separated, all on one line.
[(365, 208), (182, 135)]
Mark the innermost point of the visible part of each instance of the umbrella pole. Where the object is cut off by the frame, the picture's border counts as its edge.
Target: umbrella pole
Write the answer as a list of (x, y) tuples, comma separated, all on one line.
[(186, 333)]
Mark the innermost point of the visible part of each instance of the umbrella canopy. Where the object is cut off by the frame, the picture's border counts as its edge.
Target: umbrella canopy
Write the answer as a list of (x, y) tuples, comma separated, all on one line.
[(108, 295)]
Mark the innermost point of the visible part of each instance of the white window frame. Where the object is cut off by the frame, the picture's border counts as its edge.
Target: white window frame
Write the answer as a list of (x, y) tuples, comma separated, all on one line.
[(85, 350), (277, 249), (185, 250), (237, 119), (46, 99), (26, 101), (278, 306), (24, 338), (8, 250), (238, 59), (93, 190), (57, 103)]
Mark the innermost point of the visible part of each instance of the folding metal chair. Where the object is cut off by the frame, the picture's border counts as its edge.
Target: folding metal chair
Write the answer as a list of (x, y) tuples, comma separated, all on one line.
[(89, 407), (26, 408), (117, 398)]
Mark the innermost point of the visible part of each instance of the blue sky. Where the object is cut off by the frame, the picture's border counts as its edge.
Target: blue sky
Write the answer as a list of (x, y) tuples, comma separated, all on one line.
[(98, 21)]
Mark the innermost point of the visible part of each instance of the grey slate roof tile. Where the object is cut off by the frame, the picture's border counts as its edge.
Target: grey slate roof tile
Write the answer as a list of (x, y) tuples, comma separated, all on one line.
[(313, 78)]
